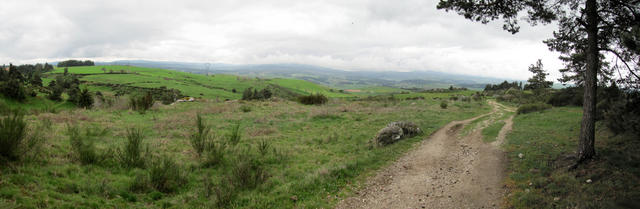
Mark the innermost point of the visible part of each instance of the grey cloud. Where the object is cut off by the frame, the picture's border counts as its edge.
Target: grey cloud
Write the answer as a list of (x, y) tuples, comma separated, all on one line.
[(353, 35)]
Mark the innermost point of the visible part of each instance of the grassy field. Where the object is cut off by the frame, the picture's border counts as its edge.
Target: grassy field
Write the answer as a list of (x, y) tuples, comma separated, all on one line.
[(541, 179), (307, 156), (196, 85)]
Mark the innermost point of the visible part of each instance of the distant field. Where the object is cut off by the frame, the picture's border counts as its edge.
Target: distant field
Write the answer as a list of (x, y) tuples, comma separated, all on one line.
[(196, 85)]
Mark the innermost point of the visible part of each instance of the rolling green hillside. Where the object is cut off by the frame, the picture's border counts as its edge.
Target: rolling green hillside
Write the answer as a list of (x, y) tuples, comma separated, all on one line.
[(197, 85)]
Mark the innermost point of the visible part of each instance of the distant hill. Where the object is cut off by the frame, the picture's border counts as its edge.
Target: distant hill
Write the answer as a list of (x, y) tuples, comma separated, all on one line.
[(325, 76)]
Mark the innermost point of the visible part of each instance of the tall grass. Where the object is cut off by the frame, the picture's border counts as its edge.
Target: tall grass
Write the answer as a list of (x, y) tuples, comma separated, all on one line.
[(234, 134)]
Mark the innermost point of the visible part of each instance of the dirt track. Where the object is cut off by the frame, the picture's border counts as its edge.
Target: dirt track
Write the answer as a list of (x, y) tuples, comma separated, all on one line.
[(446, 171)]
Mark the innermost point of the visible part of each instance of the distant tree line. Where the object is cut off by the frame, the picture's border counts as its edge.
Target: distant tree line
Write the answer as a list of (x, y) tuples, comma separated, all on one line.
[(504, 86), (73, 63)]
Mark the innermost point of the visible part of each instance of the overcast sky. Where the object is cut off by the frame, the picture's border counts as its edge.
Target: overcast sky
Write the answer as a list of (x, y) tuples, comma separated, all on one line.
[(344, 34)]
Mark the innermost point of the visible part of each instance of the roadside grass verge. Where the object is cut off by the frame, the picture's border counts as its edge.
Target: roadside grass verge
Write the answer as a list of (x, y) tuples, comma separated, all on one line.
[(541, 179)]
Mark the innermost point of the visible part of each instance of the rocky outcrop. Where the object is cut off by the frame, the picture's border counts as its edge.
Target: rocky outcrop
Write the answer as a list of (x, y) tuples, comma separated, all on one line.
[(396, 131)]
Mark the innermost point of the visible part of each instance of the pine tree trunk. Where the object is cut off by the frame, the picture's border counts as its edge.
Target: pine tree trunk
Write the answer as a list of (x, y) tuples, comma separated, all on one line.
[(586, 149)]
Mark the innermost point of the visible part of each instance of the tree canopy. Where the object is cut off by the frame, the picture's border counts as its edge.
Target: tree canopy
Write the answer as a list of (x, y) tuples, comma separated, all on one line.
[(594, 37)]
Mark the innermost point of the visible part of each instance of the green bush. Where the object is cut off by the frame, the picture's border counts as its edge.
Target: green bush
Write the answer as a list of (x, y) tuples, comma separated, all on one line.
[(140, 183), (131, 156), (248, 172), (254, 94), (13, 131), (623, 114), (443, 104), (214, 154), (536, 107), (165, 175), (85, 99), (141, 103), (14, 89), (245, 108), (82, 146), (55, 93), (225, 193), (313, 99)]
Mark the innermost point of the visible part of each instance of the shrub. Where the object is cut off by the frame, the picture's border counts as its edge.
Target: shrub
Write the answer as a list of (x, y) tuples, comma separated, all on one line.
[(623, 114), (141, 103), (169, 96), (14, 89), (56, 93), (82, 145), (165, 175), (214, 154), (74, 94), (248, 172), (567, 96), (130, 155), (140, 183), (454, 98), (254, 94), (85, 99), (443, 104), (12, 134), (313, 99), (200, 139), (477, 96), (245, 108), (536, 107), (225, 193)]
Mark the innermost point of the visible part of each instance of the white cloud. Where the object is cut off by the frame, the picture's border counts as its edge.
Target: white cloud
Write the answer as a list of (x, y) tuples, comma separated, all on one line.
[(352, 35)]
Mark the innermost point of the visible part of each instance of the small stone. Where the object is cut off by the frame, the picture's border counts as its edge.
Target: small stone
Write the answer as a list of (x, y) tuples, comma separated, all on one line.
[(556, 199), (530, 183), (589, 181), (294, 198), (520, 155)]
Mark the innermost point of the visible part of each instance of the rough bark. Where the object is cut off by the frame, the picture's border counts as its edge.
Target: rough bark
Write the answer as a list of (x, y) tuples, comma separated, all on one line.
[(586, 149)]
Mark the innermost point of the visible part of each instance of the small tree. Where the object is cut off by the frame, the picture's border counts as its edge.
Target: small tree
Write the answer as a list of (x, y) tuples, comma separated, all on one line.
[(85, 99), (538, 82)]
